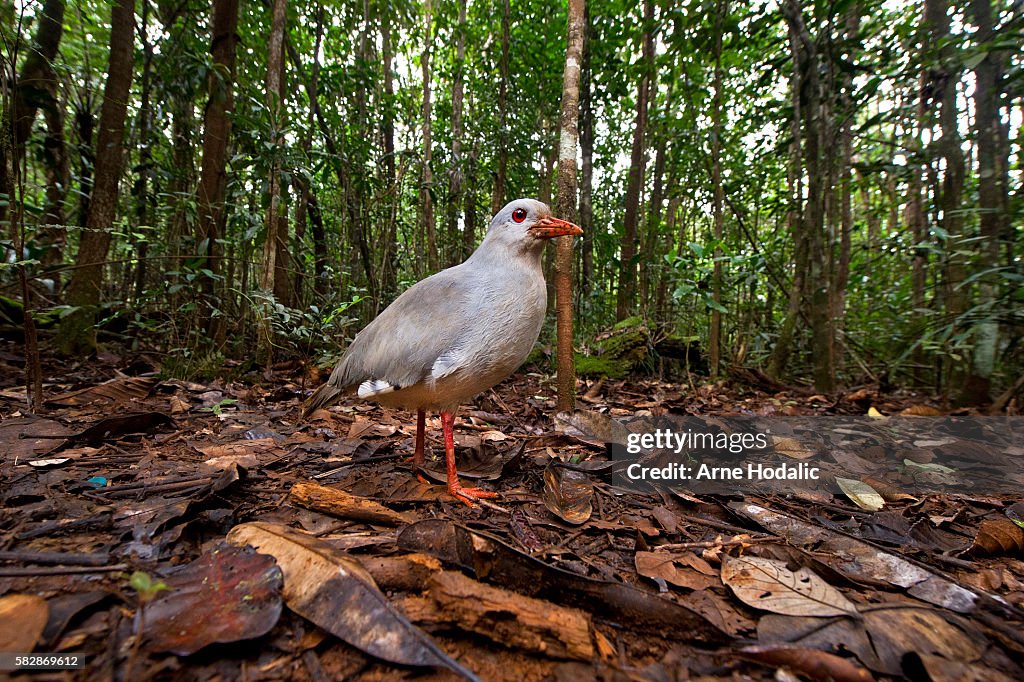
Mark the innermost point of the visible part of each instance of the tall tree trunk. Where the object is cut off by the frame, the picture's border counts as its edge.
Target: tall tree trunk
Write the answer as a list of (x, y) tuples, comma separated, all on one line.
[(389, 274), (145, 165), (498, 195), (77, 336), (843, 251), (470, 208), (85, 127), (626, 298), (429, 231), (455, 176), (944, 80), (587, 167), (271, 270), (213, 177), (652, 231), (566, 205), (991, 203), (816, 124), (715, 333), (782, 350)]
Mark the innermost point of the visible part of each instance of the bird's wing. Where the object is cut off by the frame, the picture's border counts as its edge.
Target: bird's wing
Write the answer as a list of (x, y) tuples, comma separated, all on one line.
[(400, 347)]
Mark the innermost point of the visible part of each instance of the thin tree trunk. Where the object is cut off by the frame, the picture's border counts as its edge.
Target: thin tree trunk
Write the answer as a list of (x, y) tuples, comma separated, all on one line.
[(216, 135), (715, 333), (498, 195), (145, 166), (77, 336), (587, 167), (85, 126), (782, 350), (455, 178), (944, 80), (389, 274), (426, 176), (841, 272), (566, 205), (816, 124), (272, 223), (977, 388), (626, 298)]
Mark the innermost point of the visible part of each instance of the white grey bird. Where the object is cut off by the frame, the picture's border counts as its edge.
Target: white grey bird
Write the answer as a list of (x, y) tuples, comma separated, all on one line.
[(456, 333)]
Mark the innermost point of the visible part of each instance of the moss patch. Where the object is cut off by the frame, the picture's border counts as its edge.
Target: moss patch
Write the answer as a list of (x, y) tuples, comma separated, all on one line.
[(599, 367)]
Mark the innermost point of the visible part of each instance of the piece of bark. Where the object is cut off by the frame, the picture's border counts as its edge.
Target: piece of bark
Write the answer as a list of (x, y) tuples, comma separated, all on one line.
[(407, 573), (505, 617), (345, 506)]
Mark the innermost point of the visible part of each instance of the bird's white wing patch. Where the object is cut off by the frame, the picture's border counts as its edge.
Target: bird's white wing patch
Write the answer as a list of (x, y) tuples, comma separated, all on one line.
[(447, 363), (374, 387)]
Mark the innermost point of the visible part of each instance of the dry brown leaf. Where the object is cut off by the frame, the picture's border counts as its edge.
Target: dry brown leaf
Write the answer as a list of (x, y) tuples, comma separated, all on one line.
[(117, 390), (327, 587), (22, 620), (767, 584), (568, 494), (998, 536), (664, 566), (790, 447)]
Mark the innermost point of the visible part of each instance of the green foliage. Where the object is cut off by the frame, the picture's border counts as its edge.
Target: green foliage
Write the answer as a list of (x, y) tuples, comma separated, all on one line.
[(364, 243), (145, 586)]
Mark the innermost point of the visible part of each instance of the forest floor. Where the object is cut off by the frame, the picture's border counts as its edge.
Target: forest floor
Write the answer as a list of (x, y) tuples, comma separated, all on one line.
[(126, 502)]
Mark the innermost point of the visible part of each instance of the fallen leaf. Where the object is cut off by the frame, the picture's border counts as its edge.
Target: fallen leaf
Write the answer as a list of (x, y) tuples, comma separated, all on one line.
[(228, 594), (593, 428), (117, 390), (22, 621), (862, 494), (663, 566), (767, 584), (567, 494), (325, 586), (998, 536)]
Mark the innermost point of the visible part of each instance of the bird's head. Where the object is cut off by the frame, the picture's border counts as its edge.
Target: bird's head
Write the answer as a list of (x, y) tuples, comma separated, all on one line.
[(526, 224)]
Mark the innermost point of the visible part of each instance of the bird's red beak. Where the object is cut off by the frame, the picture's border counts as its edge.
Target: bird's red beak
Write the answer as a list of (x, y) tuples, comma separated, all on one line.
[(549, 227)]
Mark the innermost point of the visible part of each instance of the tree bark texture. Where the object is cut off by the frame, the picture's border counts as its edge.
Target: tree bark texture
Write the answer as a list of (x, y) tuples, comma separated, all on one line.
[(77, 335), (213, 177), (587, 161), (456, 173), (715, 333), (568, 139), (429, 231), (991, 203)]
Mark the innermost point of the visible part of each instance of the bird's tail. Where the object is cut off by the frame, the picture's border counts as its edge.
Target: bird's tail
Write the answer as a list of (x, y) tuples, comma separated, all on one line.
[(325, 396)]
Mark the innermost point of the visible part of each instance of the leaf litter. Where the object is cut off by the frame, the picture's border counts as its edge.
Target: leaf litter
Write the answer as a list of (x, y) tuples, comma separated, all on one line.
[(392, 575)]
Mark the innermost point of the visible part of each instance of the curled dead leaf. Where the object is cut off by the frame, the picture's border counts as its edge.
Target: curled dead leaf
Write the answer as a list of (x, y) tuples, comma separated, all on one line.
[(568, 494)]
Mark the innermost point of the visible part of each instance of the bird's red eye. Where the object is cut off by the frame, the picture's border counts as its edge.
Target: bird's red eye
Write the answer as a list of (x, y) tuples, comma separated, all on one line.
[(519, 215)]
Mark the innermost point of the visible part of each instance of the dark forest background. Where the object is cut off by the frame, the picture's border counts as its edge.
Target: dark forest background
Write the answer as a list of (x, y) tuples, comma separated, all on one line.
[(828, 193)]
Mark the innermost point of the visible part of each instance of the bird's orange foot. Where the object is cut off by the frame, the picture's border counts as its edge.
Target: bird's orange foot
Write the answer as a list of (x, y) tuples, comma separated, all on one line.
[(468, 495)]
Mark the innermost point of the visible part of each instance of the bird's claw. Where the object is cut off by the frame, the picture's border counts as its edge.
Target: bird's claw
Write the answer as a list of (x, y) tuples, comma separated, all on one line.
[(469, 495)]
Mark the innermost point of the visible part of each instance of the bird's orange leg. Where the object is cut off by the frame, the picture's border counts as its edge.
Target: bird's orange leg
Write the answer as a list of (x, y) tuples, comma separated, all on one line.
[(465, 495)]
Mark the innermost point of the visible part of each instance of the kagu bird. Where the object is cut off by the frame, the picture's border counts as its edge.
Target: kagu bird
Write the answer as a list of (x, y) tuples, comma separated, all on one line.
[(456, 333)]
